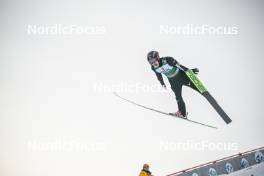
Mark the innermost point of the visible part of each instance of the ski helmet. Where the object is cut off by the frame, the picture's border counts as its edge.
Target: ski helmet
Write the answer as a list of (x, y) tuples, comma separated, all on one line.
[(153, 55)]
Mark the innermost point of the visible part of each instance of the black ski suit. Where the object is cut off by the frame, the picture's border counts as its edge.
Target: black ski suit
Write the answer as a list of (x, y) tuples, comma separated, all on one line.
[(177, 81)]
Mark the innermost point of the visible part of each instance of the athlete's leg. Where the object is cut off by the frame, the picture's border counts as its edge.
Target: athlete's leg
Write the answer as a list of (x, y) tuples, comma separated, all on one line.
[(176, 86), (189, 83)]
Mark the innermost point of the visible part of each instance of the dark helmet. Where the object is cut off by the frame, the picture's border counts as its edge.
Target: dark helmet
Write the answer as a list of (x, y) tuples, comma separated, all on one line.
[(153, 55)]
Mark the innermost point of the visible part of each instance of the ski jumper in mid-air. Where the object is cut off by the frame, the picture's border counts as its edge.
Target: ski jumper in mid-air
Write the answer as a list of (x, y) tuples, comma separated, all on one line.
[(174, 71), (179, 76)]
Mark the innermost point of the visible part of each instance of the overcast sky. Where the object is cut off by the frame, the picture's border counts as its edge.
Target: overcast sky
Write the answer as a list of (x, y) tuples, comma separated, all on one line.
[(56, 56)]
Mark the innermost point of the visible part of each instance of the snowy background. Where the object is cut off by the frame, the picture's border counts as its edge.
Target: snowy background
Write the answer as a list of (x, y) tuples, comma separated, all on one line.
[(53, 120)]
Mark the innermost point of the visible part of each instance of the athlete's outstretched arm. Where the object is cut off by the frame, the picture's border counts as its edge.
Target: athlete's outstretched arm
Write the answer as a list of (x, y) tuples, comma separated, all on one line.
[(171, 61), (159, 76)]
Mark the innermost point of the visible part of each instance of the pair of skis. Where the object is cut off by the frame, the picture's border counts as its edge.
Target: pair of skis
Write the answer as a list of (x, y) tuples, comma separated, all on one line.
[(194, 79)]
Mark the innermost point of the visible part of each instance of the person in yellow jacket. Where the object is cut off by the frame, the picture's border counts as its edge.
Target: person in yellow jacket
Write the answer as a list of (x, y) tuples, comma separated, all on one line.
[(145, 171)]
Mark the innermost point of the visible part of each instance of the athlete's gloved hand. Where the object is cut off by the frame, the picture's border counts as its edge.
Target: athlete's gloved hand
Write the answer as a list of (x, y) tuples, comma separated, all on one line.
[(195, 70)]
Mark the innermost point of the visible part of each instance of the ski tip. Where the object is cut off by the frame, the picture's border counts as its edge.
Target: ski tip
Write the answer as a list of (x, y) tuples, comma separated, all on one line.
[(228, 122), (115, 93)]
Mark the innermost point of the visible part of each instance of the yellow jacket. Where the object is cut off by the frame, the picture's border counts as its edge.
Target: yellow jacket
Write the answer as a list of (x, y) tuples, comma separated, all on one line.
[(144, 173)]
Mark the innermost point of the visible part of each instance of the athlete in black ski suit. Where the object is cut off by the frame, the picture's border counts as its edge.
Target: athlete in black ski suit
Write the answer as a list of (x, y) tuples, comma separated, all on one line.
[(175, 74)]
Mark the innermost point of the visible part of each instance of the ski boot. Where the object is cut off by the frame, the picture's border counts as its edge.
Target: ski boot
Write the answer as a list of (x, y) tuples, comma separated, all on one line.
[(179, 114)]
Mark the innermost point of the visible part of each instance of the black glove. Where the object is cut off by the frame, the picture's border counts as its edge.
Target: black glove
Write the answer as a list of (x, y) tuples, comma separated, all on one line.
[(195, 70)]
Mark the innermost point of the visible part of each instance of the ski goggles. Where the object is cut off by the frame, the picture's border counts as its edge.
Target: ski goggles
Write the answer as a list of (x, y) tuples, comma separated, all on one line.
[(153, 61)]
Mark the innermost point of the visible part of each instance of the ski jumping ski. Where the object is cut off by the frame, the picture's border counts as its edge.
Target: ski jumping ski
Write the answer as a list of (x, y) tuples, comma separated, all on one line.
[(207, 95), (161, 112)]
